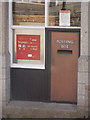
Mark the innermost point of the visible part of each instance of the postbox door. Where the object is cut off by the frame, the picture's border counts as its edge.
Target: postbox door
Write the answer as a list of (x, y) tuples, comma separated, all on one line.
[(64, 66)]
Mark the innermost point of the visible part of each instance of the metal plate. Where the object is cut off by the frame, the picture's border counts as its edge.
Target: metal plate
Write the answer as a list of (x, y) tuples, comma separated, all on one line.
[(64, 66)]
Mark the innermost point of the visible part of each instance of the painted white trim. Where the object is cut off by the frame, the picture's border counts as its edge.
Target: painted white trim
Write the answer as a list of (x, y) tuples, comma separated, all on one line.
[(46, 13), (63, 27), (10, 31), (29, 66), (11, 27), (42, 27), (27, 27), (44, 49)]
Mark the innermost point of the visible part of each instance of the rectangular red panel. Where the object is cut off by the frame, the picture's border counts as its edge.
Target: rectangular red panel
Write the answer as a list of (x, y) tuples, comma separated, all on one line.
[(28, 47)]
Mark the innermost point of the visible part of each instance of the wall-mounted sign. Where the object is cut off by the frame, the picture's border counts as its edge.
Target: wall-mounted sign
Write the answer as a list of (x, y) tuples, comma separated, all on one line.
[(28, 47), (64, 18)]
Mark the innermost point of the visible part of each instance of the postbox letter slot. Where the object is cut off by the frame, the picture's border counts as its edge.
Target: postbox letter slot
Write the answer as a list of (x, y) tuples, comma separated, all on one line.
[(64, 51)]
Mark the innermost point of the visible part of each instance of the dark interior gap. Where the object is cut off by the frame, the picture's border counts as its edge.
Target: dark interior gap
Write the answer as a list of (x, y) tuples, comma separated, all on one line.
[(64, 51)]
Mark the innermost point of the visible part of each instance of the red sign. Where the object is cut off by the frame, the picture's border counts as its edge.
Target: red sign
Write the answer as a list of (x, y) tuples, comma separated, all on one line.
[(28, 47)]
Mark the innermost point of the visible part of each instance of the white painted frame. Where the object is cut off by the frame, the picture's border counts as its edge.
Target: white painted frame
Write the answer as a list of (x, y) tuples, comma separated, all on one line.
[(12, 27)]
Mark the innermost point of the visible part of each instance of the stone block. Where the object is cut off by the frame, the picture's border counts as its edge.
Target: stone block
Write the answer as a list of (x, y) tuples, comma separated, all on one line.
[(3, 94), (89, 66), (83, 77), (0, 109), (6, 94), (86, 98), (3, 84), (84, 30), (41, 110), (83, 64), (81, 89), (84, 46), (81, 100), (89, 30), (5, 73), (0, 93)]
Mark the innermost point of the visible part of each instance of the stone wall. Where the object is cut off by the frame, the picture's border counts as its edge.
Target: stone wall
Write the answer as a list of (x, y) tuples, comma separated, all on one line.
[(79, 110), (0, 60), (5, 55), (83, 60)]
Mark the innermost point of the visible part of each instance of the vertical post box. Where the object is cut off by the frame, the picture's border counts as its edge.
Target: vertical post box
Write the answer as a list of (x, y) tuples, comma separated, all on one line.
[(64, 66)]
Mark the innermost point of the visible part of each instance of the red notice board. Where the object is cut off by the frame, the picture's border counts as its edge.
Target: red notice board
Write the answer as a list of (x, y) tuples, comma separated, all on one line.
[(28, 47)]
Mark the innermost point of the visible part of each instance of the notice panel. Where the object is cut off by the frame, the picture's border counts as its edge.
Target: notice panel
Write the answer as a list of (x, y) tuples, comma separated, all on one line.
[(64, 18), (27, 47)]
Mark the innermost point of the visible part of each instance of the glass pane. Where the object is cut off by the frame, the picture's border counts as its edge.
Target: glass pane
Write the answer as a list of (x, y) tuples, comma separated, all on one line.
[(29, 12), (28, 47), (75, 12)]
